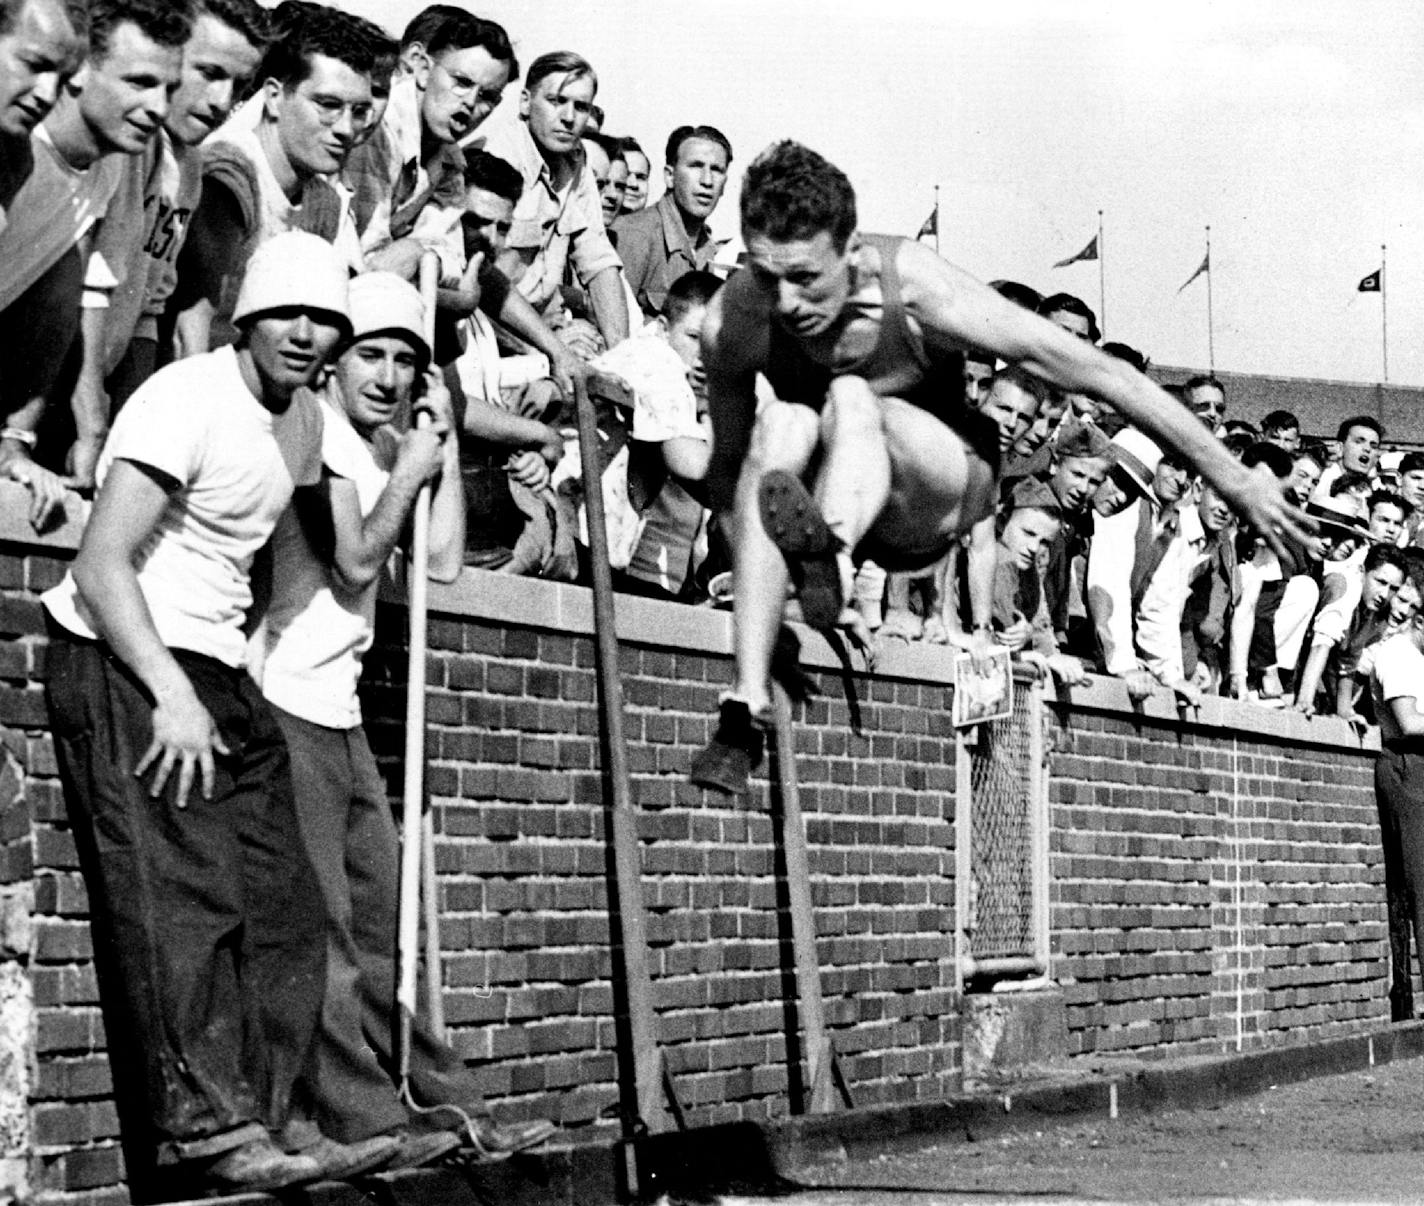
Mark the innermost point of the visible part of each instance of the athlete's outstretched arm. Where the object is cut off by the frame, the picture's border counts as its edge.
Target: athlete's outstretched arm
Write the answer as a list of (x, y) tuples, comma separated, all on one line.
[(954, 309)]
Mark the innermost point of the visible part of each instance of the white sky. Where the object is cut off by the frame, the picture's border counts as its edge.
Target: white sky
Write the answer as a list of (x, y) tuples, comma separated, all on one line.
[(1293, 127)]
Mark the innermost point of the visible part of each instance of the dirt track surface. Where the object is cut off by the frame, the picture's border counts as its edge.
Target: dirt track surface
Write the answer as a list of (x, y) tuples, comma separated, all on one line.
[(1352, 1138)]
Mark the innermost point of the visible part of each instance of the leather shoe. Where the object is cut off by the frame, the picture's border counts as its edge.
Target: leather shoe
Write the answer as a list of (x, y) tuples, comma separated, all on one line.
[(259, 1164), (338, 1161)]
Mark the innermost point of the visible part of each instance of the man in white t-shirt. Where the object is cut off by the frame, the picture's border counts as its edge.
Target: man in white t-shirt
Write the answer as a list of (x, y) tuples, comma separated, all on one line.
[(319, 624), (1397, 684), (204, 906)]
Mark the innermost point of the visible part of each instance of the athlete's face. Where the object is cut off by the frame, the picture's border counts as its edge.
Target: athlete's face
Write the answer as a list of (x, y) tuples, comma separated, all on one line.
[(807, 281), (218, 61), (375, 377), (38, 55), (1076, 479)]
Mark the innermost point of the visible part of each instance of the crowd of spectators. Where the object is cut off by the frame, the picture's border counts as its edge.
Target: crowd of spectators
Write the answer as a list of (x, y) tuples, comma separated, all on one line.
[(159, 160)]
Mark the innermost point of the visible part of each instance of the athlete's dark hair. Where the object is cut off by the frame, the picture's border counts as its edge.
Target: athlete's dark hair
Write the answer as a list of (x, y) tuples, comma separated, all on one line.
[(683, 133), (493, 174), (790, 192), (690, 290), (465, 30), (164, 22)]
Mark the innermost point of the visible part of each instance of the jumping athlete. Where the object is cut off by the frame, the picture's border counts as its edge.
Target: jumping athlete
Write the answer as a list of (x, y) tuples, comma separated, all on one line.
[(862, 339)]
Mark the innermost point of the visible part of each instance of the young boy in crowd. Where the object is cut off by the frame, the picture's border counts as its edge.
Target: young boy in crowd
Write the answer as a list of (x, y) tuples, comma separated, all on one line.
[(1022, 623)]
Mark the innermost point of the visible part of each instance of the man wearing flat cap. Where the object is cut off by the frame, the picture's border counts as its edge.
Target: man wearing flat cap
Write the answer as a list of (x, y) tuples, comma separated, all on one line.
[(176, 777)]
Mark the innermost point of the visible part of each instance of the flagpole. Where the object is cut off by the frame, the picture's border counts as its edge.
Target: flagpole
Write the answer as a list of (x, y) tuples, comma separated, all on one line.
[(936, 218), (1210, 323), (1384, 313), (1102, 277)]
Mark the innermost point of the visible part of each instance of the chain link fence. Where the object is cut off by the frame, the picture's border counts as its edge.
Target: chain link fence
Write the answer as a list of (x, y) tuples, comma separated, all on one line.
[(1005, 922)]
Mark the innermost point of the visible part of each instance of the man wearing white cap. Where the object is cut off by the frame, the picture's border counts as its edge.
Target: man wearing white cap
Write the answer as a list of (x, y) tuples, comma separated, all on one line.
[(206, 913), (1137, 575), (319, 624)]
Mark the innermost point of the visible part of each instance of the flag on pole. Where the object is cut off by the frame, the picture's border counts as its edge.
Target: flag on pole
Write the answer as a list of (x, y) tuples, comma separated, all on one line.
[(1373, 283), (1205, 266), (1090, 252), (931, 224)]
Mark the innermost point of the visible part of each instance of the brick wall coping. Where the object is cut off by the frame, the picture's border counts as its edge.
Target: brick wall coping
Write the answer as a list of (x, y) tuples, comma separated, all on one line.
[(559, 607)]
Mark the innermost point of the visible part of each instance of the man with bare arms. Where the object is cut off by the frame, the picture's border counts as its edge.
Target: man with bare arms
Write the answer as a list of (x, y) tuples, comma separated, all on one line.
[(862, 339)]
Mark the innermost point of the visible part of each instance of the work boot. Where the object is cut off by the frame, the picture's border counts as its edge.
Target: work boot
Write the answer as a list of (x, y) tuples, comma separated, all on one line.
[(727, 761), (795, 525), (259, 1164), (338, 1161)]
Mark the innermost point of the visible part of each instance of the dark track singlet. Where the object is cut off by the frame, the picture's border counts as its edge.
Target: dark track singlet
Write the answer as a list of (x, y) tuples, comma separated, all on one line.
[(899, 366)]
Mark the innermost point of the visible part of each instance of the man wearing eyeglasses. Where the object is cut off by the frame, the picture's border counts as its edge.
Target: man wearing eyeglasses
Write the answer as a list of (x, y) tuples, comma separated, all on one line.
[(408, 180), (279, 174)]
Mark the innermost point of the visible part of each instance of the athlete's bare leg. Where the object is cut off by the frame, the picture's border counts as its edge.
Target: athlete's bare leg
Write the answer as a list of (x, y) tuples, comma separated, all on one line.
[(853, 484), (785, 437)]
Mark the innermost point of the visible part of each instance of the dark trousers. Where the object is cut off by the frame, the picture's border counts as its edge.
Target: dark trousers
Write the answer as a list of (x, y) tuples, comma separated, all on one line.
[(350, 837), (207, 919), (1399, 795)]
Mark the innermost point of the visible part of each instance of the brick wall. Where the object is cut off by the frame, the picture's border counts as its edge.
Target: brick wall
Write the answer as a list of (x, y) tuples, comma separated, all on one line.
[(1211, 881), (1216, 886)]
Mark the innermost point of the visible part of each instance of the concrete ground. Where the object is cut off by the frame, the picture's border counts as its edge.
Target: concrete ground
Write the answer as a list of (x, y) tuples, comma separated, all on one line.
[(1357, 1137)]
